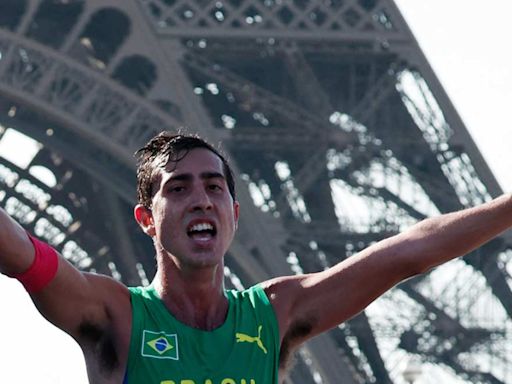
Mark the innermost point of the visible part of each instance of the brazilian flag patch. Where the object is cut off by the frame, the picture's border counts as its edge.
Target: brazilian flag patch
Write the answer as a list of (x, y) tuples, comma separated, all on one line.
[(160, 345)]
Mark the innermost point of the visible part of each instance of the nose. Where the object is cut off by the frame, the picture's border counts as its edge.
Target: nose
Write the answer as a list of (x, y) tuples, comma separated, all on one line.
[(200, 200)]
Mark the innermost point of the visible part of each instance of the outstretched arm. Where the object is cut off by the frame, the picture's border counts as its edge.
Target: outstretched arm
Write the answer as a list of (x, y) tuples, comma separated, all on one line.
[(319, 301), (71, 298)]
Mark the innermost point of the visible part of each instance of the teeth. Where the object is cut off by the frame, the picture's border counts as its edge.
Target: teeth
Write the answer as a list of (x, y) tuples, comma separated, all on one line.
[(201, 227)]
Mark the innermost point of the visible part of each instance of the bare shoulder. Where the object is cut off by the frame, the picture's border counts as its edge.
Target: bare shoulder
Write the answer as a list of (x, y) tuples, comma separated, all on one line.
[(74, 297), (284, 293), (110, 310), (113, 292), (278, 288)]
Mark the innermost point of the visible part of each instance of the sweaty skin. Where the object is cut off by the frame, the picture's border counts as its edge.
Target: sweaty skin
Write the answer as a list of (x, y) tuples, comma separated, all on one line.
[(190, 276), (192, 221)]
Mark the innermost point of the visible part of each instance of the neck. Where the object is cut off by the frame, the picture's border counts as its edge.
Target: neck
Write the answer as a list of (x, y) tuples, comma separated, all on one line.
[(194, 296)]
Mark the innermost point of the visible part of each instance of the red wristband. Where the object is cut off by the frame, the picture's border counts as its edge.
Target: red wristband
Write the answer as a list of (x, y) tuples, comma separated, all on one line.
[(43, 268)]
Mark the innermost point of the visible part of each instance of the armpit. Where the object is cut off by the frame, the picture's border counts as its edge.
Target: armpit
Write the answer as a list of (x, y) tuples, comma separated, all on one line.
[(99, 344), (297, 332)]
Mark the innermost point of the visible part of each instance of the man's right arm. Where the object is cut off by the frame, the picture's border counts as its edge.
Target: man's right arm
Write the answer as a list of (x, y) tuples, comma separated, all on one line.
[(72, 298)]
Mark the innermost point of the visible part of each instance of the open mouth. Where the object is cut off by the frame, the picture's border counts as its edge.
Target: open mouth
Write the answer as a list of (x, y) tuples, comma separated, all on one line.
[(202, 230)]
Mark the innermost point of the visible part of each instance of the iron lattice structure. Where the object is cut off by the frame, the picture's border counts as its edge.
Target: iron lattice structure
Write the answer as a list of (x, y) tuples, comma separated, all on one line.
[(337, 127)]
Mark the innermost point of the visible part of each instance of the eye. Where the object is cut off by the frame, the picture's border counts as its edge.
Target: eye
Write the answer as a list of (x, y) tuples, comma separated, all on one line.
[(176, 188), (214, 187)]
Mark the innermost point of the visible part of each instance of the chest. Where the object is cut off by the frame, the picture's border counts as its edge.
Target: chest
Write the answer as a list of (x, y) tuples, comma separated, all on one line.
[(238, 354), (243, 350)]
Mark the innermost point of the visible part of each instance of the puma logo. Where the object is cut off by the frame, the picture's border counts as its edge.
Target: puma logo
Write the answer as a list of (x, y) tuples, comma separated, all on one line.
[(243, 338)]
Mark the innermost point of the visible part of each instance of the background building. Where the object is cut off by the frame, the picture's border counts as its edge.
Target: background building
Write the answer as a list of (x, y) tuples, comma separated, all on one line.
[(336, 124)]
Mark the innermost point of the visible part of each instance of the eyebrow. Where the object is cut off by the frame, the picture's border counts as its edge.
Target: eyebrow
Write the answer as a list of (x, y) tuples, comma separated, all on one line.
[(188, 177)]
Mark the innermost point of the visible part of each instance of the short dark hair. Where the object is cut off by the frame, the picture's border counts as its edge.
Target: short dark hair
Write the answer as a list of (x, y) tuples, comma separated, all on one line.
[(166, 147)]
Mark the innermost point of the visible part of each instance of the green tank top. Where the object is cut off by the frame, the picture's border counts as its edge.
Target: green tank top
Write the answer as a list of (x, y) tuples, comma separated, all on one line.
[(243, 350)]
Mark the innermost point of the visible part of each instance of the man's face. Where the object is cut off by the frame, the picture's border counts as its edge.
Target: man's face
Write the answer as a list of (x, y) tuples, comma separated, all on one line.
[(193, 216)]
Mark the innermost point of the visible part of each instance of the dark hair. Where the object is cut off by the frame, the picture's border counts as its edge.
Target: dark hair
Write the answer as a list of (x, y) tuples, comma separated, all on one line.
[(166, 147)]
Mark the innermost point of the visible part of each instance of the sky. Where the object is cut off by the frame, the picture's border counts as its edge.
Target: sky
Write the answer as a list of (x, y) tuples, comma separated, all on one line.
[(467, 44)]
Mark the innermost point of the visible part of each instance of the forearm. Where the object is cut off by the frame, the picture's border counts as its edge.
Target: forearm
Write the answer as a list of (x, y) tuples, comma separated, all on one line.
[(439, 239), (16, 250)]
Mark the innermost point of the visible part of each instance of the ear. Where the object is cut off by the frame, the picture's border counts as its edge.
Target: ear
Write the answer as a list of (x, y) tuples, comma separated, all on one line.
[(236, 212), (144, 217)]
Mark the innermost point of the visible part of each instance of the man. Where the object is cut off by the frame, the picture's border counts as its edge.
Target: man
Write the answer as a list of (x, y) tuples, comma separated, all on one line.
[(185, 328)]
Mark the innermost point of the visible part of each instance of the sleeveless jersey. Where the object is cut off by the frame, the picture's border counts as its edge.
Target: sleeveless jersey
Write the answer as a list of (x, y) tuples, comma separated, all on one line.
[(243, 350)]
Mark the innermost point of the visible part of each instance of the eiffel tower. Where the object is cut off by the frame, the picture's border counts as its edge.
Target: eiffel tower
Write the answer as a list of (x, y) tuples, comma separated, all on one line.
[(339, 130)]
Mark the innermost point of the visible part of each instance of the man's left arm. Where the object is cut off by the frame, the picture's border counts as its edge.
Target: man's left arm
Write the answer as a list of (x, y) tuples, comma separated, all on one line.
[(309, 304)]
